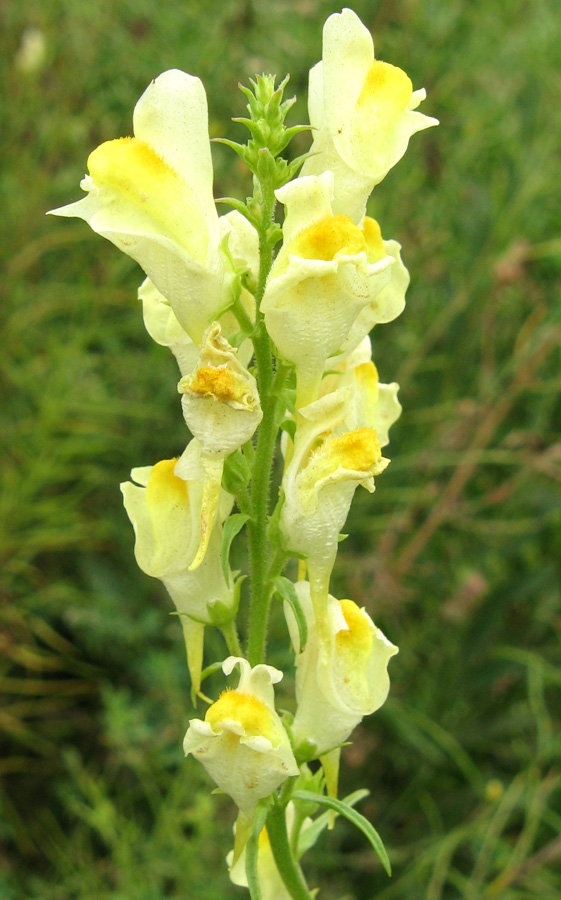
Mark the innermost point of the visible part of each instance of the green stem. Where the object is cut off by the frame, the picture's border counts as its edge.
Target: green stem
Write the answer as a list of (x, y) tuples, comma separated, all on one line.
[(257, 525), (230, 633), (264, 452), (289, 869), (244, 320)]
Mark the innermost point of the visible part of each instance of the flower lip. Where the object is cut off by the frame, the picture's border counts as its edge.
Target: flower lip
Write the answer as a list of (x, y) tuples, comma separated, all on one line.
[(221, 384), (329, 237), (131, 169), (251, 715)]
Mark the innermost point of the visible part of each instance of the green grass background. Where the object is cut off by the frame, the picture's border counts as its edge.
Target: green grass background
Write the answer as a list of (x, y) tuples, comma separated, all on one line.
[(457, 556)]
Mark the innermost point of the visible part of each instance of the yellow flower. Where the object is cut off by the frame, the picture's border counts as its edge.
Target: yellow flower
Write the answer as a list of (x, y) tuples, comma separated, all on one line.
[(166, 506), (327, 465), (241, 742), (340, 683), (370, 404), (363, 113), (222, 410), (328, 272), (151, 195)]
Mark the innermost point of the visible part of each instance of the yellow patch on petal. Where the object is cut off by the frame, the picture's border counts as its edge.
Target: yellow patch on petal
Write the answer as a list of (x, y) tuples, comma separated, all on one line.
[(329, 236), (352, 652), (367, 377), (137, 175), (164, 489), (358, 639), (356, 450), (375, 248), (254, 716), (384, 97), (222, 384)]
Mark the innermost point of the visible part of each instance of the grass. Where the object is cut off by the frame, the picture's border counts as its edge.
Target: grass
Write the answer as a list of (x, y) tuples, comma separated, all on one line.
[(456, 556)]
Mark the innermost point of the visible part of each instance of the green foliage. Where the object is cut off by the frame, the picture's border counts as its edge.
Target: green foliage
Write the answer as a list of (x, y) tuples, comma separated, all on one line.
[(456, 556)]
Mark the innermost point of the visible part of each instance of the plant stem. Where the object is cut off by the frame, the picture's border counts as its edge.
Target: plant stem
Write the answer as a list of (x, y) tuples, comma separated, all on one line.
[(289, 869), (264, 452)]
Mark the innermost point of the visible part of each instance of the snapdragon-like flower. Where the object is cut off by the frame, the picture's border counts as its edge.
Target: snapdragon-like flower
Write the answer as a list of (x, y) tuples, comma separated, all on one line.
[(222, 410), (165, 512), (337, 688), (363, 111), (242, 742), (370, 404), (319, 483), (328, 272), (151, 195)]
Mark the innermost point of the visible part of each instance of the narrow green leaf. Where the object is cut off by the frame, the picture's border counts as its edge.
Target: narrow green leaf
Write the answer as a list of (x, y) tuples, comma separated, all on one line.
[(286, 591), (308, 836), (210, 670), (252, 852), (232, 526), (289, 425), (240, 206), (352, 816)]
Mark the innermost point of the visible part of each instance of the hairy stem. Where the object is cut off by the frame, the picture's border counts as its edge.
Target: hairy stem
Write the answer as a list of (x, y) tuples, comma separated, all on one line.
[(264, 452), (289, 869)]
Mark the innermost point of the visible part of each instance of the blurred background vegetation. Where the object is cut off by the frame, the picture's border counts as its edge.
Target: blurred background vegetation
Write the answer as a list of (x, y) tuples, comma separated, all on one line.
[(457, 556)]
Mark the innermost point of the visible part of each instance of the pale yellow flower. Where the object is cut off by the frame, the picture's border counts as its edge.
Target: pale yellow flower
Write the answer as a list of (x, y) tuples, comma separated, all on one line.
[(242, 742), (326, 467), (363, 111), (151, 195), (328, 272), (222, 410), (340, 682), (166, 510)]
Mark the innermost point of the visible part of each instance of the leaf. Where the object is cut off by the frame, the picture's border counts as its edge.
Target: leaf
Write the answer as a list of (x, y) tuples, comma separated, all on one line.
[(210, 670), (309, 835), (352, 816), (285, 589), (232, 526), (252, 852), (289, 425)]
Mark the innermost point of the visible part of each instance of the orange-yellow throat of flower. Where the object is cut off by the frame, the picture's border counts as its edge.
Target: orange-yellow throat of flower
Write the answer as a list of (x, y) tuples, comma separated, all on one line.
[(164, 489), (338, 235), (252, 713), (222, 384)]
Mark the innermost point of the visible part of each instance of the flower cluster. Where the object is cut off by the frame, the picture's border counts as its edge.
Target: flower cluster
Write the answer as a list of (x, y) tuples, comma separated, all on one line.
[(218, 296)]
